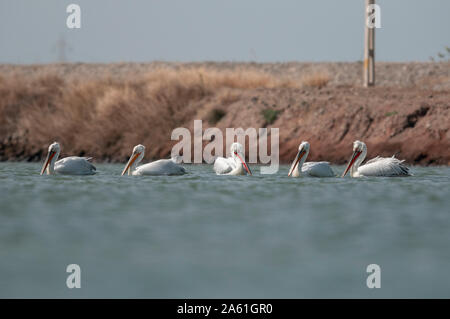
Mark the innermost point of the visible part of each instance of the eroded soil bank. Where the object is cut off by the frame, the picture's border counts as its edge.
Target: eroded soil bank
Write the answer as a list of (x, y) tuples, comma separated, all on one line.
[(104, 110)]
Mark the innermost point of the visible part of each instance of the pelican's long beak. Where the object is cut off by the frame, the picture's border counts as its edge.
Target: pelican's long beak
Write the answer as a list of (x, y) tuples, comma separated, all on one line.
[(297, 159), (130, 162), (244, 163), (48, 160), (351, 161)]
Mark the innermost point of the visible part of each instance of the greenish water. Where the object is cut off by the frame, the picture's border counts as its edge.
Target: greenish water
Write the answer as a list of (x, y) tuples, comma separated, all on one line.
[(202, 235)]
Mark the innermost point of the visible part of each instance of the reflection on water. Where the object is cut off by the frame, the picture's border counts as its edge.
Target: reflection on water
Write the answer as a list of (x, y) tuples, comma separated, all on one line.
[(202, 235)]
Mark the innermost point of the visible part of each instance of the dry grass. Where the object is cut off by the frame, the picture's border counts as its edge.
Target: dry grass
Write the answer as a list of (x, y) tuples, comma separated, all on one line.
[(316, 79), (105, 117)]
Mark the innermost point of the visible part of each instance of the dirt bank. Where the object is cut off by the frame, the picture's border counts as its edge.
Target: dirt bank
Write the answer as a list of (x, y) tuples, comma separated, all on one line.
[(103, 110), (413, 124)]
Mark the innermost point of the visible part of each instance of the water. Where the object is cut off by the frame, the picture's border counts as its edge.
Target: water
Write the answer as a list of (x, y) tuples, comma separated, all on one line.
[(206, 236)]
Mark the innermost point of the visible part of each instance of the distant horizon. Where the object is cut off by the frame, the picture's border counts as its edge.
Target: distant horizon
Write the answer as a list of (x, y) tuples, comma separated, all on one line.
[(177, 31), (218, 62)]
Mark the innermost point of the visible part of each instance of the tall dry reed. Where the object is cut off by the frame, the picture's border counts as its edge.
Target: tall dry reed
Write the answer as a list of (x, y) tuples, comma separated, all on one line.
[(104, 117)]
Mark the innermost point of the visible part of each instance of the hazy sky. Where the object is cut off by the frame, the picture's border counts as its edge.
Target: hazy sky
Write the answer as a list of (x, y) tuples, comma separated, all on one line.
[(225, 30)]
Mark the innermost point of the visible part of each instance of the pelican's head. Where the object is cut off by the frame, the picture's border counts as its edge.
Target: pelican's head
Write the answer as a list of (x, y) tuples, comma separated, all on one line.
[(359, 146), (53, 152), (303, 150), (54, 147), (359, 153), (237, 148), (237, 152), (136, 156), (304, 146), (139, 149)]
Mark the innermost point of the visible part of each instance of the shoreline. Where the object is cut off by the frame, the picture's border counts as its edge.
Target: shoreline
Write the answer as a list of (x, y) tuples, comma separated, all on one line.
[(103, 110)]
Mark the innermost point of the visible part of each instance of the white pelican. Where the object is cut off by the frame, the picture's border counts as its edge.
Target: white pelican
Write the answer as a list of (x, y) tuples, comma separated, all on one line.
[(378, 166), (316, 169), (160, 167), (72, 165), (234, 165)]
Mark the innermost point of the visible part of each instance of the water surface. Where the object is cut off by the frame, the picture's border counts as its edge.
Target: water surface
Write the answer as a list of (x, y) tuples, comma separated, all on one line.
[(205, 236)]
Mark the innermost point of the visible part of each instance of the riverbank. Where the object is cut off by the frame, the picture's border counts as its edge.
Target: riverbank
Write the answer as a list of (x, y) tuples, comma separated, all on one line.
[(103, 110)]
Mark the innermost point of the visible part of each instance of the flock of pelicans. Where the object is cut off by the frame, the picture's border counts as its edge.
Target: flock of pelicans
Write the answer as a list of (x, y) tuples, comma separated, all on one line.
[(234, 165)]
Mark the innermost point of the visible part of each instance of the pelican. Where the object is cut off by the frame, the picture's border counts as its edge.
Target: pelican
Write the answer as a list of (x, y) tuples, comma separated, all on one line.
[(234, 165), (378, 166), (72, 165), (316, 169), (160, 167)]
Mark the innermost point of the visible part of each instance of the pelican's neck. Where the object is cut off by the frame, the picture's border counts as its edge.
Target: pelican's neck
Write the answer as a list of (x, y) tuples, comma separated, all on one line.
[(51, 165), (239, 169), (297, 170), (359, 160), (133, 166)]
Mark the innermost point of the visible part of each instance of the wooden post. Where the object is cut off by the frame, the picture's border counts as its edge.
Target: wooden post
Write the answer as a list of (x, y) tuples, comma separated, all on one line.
[(369, 48)]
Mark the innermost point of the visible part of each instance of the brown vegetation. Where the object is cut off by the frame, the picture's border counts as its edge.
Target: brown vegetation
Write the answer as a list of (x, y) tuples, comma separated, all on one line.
[(317, 79), (104, 115)]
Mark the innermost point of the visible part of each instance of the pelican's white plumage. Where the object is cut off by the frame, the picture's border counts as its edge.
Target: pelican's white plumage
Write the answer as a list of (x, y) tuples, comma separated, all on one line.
[(160, 167), (378, 166), (234, 165), (72, 165), (313, 169)]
